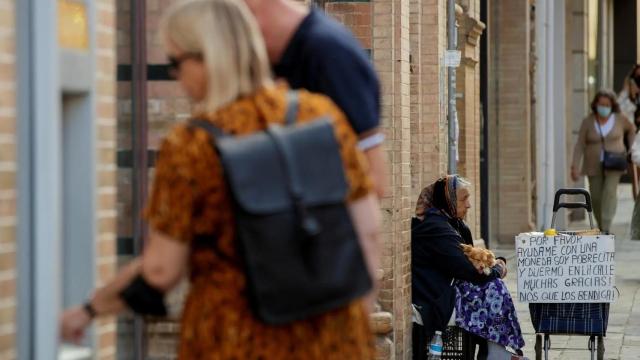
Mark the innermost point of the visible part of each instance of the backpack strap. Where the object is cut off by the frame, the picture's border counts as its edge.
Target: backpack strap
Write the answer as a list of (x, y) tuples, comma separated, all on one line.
[(293, 103), (207, 126)]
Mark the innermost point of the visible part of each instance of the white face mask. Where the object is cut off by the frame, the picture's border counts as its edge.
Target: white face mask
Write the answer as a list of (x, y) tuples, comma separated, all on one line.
[(603, 111)]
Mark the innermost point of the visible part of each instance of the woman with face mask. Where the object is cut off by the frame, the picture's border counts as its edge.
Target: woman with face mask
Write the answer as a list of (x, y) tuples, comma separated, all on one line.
[(600, 145)]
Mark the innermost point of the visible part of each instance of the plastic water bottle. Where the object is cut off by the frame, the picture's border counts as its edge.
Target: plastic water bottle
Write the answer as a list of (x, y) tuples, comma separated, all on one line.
[(435, 348)]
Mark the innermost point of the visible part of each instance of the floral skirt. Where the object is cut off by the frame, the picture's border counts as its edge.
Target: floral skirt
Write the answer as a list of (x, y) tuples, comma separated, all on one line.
[(487, 311)]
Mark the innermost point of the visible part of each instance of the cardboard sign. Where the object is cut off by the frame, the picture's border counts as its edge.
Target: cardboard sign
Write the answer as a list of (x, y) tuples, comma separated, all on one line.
[(566, 268)]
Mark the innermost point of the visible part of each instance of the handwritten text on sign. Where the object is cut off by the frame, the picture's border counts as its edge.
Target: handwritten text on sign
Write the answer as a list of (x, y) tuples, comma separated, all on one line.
[(565, 268)]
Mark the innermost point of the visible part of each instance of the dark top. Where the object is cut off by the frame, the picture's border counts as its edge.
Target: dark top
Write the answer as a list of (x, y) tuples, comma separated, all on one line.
[(324, 57), (436, 260)]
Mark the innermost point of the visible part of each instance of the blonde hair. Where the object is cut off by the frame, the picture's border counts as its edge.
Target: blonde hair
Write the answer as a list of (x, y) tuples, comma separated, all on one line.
[(225, 33)]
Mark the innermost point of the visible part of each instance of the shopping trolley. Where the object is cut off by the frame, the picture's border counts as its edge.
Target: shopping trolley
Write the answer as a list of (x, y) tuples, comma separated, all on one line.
[(588, 319)]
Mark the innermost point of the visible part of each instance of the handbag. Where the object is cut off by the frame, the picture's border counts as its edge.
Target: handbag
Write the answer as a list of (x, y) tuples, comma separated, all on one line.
[(300, 250), (616, 161)]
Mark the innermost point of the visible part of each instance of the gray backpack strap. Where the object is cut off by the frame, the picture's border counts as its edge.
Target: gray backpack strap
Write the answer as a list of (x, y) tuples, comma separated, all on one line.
[(205, 125), (292, 107)]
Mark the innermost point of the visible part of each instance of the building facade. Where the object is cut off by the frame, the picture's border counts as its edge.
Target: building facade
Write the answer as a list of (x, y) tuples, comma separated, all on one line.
[(85, 100), (406, 40), (546, 59)]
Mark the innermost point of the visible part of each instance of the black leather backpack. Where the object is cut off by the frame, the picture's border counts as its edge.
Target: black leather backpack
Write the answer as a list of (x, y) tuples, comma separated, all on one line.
[(301, 253)]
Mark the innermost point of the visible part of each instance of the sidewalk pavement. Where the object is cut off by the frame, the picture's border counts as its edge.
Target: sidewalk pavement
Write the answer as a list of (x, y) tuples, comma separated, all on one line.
[(623, 334)]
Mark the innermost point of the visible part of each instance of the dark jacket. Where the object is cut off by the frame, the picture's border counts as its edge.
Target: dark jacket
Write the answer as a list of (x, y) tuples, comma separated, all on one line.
[(436, 260)]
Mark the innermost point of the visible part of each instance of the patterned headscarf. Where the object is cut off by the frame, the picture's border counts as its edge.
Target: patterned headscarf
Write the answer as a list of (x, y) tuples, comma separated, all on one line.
[(440, 195)]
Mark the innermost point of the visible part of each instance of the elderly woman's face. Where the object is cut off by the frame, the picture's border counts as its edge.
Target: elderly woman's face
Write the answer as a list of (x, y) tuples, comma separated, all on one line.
[(463, 202), (190, 71)]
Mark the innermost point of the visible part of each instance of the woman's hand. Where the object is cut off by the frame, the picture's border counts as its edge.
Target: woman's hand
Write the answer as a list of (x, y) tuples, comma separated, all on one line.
[(73, 323), (575, 175)]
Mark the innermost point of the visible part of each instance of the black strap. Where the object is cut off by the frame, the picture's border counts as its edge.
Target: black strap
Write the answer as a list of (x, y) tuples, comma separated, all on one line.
[(207, 126)]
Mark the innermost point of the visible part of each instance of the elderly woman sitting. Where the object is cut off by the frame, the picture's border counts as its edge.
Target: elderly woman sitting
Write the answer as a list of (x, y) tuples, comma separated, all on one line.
[(444, 278)]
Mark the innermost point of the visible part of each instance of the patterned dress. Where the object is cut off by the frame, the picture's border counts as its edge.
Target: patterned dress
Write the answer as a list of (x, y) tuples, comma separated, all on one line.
[(190, 199), (487, 310)]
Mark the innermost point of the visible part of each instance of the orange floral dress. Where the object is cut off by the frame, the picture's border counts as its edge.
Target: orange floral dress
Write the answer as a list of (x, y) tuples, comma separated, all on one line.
[(190, 199)]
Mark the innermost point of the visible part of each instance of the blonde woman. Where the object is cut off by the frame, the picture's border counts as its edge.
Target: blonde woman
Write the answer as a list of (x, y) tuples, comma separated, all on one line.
[(219, 58)]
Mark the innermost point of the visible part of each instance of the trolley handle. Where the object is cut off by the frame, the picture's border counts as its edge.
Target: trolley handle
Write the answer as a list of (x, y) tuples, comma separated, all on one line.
[(557, 205)]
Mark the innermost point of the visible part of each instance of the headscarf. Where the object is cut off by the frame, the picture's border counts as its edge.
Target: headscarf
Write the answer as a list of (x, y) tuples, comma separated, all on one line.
[(441, 195), (441, 198)]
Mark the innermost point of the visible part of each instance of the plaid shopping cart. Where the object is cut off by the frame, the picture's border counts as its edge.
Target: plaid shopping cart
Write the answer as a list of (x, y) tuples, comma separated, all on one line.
[(588, 319)]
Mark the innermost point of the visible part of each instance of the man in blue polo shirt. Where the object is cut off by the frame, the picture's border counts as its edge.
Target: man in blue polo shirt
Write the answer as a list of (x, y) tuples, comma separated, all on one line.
[(314, 52)]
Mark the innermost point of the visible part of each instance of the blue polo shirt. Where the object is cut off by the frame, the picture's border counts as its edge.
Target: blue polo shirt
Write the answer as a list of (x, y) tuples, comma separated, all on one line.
[(324, 57)]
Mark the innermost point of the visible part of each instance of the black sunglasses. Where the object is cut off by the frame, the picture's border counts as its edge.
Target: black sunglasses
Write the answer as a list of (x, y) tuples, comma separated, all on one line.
[(176, 61)]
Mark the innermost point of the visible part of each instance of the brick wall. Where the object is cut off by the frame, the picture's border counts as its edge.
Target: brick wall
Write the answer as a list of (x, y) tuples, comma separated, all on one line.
[(428, 94), (391, 46), (8, 185), (105, 56), (510, 120), (433, 135), (356, 16), (416, 161)]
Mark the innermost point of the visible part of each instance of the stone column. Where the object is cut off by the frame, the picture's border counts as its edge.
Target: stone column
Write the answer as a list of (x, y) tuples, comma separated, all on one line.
[(468, 105), (509, 119), (577, 87)]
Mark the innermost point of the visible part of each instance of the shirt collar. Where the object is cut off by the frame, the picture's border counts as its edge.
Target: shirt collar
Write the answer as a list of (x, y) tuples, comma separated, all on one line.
[(288, 57)]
